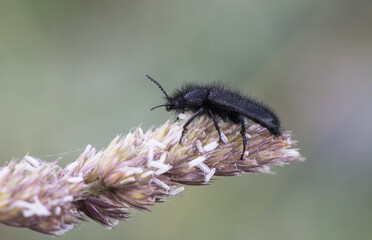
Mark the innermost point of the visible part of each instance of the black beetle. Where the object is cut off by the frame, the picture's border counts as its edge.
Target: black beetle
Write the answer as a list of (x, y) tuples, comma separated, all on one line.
[(215, 99)]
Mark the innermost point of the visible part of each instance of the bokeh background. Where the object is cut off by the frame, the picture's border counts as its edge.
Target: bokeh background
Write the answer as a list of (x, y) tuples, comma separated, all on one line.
[(72, 74)]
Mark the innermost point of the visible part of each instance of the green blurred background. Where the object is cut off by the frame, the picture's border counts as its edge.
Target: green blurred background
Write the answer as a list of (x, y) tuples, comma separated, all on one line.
[(72, 74)]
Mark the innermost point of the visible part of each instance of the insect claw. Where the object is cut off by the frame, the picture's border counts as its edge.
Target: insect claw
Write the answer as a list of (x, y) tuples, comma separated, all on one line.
[(220, 140), (180, 141)]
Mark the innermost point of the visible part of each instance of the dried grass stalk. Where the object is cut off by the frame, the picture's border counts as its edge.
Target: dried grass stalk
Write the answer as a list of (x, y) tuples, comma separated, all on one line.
[(133, 172)]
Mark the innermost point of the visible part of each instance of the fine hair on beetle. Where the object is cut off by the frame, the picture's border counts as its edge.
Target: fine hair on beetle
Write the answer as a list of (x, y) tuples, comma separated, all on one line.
[(217, 100)]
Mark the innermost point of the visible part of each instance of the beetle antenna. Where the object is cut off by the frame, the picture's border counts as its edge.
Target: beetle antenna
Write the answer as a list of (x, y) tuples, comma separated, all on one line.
[(163, 105), (158, 84)]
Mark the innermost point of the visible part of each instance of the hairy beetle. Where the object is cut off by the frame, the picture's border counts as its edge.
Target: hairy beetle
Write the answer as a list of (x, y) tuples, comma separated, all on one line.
[(215, 99)]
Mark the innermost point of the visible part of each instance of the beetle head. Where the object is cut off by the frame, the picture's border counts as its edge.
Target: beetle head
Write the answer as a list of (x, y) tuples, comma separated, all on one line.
[(177, 103)]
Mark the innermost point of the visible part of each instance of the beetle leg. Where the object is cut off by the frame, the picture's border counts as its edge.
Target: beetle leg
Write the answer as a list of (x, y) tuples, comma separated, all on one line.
[(242, 132), (210, 113), (197, 113)]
